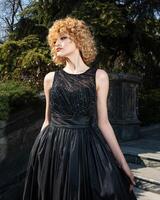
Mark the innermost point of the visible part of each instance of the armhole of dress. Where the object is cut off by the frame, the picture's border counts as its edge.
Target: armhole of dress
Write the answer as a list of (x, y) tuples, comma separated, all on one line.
[(54, 79), (95, 114), (95, 80)]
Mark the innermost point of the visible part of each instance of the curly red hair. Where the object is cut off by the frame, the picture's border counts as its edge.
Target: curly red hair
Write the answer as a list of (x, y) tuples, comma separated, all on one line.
[(79, 32)]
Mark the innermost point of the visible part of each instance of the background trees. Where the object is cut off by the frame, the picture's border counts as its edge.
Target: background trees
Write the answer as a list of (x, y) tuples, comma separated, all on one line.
[(9, 14), (127, 33)]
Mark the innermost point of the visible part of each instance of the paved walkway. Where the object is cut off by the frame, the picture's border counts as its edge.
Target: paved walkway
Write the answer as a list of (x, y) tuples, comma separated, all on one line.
[(146, 195), (143, 156)]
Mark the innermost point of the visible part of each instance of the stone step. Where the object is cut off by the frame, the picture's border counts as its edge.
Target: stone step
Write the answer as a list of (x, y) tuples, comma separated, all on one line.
[(144, 157), (147, 178), (145, 195)]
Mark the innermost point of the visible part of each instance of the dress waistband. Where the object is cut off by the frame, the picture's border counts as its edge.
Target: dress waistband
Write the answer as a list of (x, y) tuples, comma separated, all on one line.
[(78, 122), (70, 125)]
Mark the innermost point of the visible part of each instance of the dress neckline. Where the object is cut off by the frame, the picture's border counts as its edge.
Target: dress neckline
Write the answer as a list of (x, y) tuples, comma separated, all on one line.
[(76, 74)]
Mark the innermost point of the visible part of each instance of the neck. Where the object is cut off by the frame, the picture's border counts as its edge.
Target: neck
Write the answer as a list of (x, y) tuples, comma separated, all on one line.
[(75, 63)]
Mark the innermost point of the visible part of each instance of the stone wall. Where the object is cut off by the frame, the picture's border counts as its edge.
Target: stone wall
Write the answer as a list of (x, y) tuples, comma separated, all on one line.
[(17, 135)]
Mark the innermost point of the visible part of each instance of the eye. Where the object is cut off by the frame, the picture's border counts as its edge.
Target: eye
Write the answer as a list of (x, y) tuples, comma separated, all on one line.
[(63, 37)]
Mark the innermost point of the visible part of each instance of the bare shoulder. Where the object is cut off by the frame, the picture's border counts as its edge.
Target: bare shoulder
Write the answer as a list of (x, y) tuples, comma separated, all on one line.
[(48, 79), (101, 74), (102, 77)]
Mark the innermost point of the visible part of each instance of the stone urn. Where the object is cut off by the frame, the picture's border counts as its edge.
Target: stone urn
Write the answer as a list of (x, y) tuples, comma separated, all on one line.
[(123, 106)]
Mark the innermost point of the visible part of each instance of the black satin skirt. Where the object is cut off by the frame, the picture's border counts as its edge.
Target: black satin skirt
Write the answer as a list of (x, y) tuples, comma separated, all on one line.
[(74, 163)]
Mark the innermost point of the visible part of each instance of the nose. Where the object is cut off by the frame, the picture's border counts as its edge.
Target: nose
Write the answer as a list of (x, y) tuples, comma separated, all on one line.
[(57, 43)]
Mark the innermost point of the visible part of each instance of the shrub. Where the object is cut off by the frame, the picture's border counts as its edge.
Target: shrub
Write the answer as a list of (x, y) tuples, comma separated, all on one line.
[(25, 60), (15, 96), (33, 66), (149, 106)]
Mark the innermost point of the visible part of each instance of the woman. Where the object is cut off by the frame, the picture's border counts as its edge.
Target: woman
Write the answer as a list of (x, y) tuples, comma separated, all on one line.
[(76, 155)]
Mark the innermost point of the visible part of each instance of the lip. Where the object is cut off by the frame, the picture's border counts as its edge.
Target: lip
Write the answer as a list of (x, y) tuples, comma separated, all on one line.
[(58, 49)]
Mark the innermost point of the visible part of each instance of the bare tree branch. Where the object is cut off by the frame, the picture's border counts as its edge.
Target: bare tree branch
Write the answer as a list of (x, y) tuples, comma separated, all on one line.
[(9, 11)]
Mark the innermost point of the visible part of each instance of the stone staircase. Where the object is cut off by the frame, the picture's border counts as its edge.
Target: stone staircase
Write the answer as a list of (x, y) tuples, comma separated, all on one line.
[(143, 157)]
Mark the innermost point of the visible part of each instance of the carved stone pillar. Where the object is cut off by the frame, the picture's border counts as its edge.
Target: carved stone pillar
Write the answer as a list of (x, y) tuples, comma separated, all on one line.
[(122, 105)]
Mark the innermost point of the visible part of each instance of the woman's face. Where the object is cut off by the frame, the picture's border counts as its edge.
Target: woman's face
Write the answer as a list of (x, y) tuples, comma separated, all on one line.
[(64, 46)]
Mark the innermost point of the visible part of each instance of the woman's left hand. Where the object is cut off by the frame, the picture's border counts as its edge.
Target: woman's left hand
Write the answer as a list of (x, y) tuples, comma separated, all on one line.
[(130, 175)]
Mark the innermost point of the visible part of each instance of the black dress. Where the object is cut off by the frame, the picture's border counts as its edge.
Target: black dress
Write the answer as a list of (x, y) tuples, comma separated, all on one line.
[(70, 158)]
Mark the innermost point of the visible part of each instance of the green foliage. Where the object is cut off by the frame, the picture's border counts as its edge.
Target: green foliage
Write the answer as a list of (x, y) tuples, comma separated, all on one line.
[(107, 24), (15, 95), (45, 12), (8, 51), (127, 32), (34, 57), (127, 37), (26, 27), (27, 59), (105, 17), (149, 106)]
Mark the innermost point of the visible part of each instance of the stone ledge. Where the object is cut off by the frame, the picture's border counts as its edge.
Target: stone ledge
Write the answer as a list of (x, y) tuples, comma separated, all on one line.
[(145, 157), (147, 178)]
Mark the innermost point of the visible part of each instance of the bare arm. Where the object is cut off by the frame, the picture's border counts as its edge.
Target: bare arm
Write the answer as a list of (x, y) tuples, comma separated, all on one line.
[(102, 82), (48, 80)]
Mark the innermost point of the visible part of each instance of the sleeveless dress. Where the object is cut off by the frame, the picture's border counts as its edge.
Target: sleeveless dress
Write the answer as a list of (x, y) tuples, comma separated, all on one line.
[(70, 158)]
